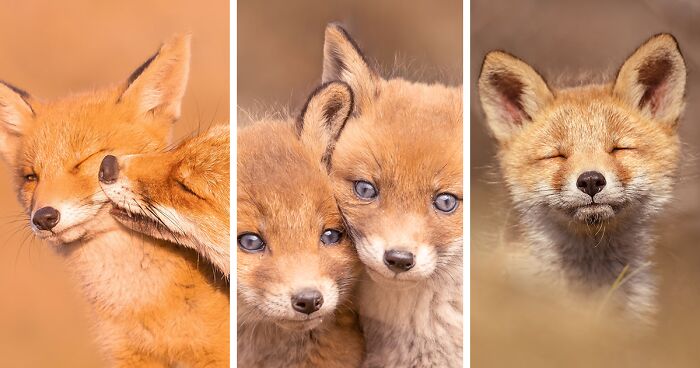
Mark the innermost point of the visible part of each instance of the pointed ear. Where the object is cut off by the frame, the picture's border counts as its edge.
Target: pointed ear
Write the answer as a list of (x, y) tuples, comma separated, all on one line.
[(323, 118), (653, 79), (159, 84), (511, 92), (343, 61), (15, 114)]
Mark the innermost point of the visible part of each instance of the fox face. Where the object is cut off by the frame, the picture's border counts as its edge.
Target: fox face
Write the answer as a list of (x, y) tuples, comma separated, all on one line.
[(55, 148), (397, 170), (296, 265), (597, 154), (180, 195)]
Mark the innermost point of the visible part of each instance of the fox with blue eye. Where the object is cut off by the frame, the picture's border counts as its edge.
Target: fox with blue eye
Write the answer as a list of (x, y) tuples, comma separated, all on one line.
[(397, 175), (296, 267)]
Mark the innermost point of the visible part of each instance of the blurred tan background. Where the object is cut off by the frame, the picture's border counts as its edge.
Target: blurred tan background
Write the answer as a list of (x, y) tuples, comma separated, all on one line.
[(280, 46), (52, 48), (571, 37)]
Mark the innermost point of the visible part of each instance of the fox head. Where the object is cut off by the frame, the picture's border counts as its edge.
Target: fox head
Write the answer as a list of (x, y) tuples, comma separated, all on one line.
[(588, 155), (180, 195), (397, 170), (55, 148), (296, 265)]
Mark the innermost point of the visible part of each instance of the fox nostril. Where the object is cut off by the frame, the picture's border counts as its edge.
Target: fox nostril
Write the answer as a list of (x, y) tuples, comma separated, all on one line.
[(398, 260), (109, 170), (591, 182), (307, 301), (46, 218)]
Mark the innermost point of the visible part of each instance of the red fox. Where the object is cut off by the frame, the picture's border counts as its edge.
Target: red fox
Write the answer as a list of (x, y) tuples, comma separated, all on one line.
[(296, 266), (397, 174), (181, 195), (588, 168), (152, 304)]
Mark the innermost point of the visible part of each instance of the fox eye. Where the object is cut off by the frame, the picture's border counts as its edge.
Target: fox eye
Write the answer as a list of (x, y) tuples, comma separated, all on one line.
[(30, 177), (445, 202), (557, 155), (251, 243), (188, 189), (365, 190), (616, 149), (331, 236)]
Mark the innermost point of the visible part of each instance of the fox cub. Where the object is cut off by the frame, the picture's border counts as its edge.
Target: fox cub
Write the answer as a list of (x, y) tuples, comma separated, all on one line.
[(397, 174), (151, 303), (181, 195), (296, 266), (588, 168)]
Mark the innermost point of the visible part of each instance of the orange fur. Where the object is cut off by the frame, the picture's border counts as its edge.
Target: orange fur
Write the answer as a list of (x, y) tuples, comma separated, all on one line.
[(550, 141), (152, 303), (180, 195), (405, 139), (286, 199)]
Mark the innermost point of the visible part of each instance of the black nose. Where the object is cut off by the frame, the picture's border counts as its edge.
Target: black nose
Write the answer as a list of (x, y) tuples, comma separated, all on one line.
[(591, 182), (109, 170), (46, 218), (398, 260), (307, 301)]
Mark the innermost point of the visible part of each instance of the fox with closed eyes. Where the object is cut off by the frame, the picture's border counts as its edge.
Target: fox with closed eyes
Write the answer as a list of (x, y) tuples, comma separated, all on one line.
[(590, 167), (397, 175)]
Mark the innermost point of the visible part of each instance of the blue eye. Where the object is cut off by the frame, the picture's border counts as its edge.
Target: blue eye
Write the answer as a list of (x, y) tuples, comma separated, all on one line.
[(331, 236), (365, 190), (445, 202), (250, 242)]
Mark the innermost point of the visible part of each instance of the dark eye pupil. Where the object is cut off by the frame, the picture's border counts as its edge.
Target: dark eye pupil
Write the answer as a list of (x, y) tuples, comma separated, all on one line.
[(365, 190), (330, 236), (250, 242), (445, 202)]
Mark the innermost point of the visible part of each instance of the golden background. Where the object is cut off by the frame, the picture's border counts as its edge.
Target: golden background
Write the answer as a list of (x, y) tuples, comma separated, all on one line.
[(571, 38), (50, 49), (280, 46)]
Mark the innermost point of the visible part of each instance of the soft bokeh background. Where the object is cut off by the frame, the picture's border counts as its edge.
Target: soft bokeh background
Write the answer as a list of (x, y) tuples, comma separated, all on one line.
[(280, 46), (52, 48), (571, 37)]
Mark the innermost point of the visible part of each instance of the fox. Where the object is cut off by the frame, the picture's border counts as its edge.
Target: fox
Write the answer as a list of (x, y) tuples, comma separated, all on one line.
[(397, 177), (590, 167), (180, 195), (150, 303), (296, 267)]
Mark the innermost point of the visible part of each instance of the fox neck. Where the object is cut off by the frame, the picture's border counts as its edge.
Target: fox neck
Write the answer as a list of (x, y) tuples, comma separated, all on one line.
[(119, 269), (595, 261), (267, 344)]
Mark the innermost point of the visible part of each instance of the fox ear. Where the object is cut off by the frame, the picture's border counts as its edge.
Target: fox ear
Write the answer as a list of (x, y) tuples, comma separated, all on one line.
[(343, 61), (158, 85), (511, 92), (653, 79), (15, 112), (323, 118)]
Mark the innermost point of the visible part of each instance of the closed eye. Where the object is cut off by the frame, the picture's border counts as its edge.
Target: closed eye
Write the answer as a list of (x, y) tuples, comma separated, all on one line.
[(616, 149), (77, 166), (558, 155), (187, 189)]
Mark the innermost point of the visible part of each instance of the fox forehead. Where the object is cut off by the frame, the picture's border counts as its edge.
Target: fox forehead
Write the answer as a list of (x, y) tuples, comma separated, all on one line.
[(64, 131), (280, 188), (584, 120), (411, 141)]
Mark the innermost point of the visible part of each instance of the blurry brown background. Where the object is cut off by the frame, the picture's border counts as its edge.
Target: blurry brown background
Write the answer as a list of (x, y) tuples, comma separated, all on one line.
[(52, 48), (280, 46), (564, 37)]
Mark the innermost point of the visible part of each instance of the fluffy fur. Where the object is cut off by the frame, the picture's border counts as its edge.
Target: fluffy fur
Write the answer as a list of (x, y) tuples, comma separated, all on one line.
[(181, 195), (405, 139), (151, 303), (626, 131), (285, 198)]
